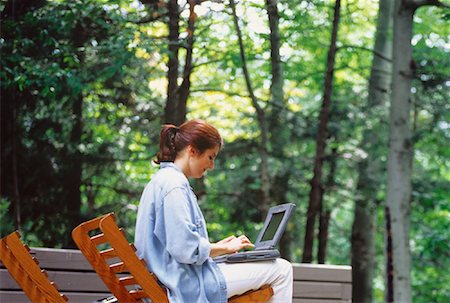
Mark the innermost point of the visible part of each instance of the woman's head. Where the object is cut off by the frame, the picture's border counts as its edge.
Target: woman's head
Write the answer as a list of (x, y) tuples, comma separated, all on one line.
[(198, 134)]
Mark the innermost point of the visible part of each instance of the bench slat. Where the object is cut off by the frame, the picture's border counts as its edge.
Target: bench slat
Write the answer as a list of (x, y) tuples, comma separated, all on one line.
[(20, 297), (322, 272), (322, 290), (52, 258), (66, 281)]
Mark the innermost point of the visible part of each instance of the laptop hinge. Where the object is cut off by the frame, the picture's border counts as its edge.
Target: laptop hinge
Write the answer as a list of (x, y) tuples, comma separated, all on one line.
[(265, 247)]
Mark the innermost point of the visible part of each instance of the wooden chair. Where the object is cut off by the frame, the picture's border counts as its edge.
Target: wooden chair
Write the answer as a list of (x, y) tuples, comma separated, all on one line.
[(120, 256), (25, 269)]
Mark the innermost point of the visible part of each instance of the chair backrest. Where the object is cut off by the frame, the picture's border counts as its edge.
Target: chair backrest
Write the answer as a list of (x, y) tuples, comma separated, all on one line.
[(25, 269), (106, 248), (145, 283), (146, 280)]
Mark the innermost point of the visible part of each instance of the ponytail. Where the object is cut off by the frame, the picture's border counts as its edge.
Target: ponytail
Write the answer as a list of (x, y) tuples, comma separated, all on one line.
[(167, 147)]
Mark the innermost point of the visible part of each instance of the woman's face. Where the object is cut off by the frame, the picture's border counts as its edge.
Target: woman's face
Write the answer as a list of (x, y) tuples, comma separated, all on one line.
[(200, 163)]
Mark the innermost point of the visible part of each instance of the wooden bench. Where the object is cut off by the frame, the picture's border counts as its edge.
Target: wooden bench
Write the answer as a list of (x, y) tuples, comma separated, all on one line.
[(318, 283), (76, 279)]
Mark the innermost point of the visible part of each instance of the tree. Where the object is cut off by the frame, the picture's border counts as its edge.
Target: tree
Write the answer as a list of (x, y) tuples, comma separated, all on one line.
[(370, 168), (43, 94), (279, 137), (316, 190), (401, 145), (177, 95), (262, 122)]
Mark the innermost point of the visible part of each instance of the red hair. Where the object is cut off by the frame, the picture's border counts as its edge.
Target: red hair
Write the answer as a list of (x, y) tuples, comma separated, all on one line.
[(198, 133)]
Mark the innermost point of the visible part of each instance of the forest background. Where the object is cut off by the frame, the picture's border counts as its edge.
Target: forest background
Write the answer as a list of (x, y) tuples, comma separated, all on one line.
[(299, 89)]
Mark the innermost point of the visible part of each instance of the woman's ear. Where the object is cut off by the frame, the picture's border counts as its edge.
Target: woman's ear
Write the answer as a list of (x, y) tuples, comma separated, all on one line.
[(192, 151)]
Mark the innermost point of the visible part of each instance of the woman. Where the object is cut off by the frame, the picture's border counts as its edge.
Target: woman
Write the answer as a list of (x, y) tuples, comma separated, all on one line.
[(171, 231)]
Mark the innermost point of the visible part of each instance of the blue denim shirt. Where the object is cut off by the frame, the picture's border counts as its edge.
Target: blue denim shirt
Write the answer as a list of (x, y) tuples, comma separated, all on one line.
[(171, 236)]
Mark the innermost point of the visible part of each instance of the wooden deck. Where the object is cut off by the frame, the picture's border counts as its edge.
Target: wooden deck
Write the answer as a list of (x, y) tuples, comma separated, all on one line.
[(75, 278)]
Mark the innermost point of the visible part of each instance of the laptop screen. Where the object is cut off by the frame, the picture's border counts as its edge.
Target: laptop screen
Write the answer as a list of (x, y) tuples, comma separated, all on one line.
[(272, 228)]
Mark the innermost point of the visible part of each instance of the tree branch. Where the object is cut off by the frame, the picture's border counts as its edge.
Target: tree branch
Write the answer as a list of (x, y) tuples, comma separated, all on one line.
[(122, 191), (418, 3), (376, 53), (219, 90), (150, 19)]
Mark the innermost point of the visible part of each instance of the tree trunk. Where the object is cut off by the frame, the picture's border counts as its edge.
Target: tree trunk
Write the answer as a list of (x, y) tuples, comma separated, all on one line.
[(400, 145), (324, 211), (73, 175), (280, 184), (324, 220), (184, 89), (10, 151), (261, 117), (389, 293), (74, 168), (15, 170), (400, 151), (171, 110), (177, 95), (321, 137), (370, 168), (276, 88), (279, 137)]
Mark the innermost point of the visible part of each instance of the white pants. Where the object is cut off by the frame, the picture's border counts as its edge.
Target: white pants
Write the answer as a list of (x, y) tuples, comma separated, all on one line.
[(241, 277)]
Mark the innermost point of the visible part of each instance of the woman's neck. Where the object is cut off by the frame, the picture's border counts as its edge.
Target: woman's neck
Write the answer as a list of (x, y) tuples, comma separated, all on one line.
[(182, 161)]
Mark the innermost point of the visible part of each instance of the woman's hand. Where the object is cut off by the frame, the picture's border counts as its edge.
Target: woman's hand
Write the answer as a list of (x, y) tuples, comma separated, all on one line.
[(230, 245)]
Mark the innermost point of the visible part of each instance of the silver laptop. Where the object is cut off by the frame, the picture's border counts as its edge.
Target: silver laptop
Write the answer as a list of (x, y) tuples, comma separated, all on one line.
[(268, 237)]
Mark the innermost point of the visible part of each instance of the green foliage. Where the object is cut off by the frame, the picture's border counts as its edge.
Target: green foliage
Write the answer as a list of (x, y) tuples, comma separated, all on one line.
[(431, 182), (430, 241), (53, 56), (6, 223)]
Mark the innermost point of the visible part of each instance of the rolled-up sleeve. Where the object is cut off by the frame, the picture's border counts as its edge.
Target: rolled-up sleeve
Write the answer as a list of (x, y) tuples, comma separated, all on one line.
[(182, 229)]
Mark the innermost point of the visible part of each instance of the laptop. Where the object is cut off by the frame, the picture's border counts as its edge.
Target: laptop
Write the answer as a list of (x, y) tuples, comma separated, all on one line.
[(268, 237)]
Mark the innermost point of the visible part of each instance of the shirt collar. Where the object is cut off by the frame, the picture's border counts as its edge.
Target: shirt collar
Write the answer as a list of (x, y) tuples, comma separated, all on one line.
[(174, 166), (170, 164)]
